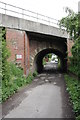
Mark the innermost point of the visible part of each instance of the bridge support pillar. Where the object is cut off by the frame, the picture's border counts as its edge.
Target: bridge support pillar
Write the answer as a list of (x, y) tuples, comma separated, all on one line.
[(18, 44), (70, 43)]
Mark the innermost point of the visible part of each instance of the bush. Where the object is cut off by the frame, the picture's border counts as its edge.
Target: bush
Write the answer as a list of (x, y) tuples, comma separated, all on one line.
[(73, 69), (35, 73), (15, 81), (12, 76), (78, 118), (44, 62), (73, 87), (0, 65), (75, 59)]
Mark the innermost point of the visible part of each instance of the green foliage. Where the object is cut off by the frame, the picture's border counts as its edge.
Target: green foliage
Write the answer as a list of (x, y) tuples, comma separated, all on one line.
[(0, 65), (12, 76), (35, 73), (15, 81), (44, 61), (75, 59), (49, 55), (73, 69), (71, 23), (73, 86), (0, 53), (29, 78), (78, 118), (5, 56)]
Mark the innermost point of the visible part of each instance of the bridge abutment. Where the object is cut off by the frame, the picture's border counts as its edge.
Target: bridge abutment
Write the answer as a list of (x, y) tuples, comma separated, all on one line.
[(28, 49), (18, 44)]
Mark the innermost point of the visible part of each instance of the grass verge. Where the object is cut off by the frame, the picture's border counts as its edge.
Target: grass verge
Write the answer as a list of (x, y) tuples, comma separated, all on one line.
[(73, 87), (15, 81)]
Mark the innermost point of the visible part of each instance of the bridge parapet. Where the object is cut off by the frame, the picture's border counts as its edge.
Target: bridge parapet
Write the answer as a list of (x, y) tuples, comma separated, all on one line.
[(19, 12), (27, 25)]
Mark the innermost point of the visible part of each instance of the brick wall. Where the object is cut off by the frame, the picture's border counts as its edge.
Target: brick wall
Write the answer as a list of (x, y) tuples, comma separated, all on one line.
[(70, 43), (21, 43), (17, 44), (27, 54)]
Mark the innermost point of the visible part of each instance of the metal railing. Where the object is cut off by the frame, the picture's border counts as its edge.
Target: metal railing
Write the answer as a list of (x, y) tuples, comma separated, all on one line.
[(15, 11)]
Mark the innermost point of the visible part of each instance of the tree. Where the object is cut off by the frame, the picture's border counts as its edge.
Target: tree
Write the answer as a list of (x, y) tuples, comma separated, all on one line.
[(71, 24)]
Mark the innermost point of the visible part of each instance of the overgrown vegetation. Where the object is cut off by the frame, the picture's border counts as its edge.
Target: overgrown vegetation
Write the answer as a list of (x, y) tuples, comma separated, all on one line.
[(35, 74), (75, 59), (12, 76), (49, 57), (73, 88), (0, 66), (16, 80), (72, 25)]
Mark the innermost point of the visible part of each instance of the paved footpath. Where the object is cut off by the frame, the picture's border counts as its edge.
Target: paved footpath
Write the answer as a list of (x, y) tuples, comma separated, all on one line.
[(45, 97)]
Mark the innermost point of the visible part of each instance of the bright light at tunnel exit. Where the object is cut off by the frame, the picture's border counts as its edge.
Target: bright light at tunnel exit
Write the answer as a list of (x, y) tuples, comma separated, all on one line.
[(50, 60)]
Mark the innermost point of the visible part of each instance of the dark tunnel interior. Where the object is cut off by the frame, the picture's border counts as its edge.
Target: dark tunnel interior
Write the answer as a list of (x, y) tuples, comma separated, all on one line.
[(38, 61)]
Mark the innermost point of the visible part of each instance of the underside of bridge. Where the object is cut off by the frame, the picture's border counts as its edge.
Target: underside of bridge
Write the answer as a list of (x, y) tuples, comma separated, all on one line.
[(41, 44), (29, 48)]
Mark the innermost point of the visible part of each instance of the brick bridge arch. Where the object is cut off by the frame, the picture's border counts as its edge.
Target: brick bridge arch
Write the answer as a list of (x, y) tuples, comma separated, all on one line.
[(40, 45), (38, 59), (34, 46)]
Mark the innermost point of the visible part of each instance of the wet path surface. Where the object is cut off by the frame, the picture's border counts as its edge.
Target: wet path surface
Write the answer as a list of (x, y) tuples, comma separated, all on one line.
[(45, 97)]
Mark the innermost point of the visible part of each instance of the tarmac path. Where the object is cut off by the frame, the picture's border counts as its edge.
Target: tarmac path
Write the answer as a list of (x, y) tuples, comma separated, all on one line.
[(45, 97)]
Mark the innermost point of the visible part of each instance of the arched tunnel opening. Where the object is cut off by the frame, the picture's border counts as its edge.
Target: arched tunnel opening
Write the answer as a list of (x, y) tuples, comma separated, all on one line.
[(51, 62), (38, 61)]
